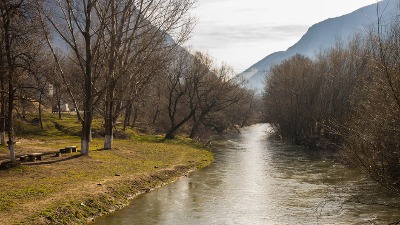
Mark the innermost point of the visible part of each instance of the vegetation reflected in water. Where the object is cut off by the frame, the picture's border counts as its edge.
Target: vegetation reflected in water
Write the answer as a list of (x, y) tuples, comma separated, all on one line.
[(258, 180)]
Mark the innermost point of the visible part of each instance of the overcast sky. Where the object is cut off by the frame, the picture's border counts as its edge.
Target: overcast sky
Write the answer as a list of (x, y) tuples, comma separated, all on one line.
[(242, 32)]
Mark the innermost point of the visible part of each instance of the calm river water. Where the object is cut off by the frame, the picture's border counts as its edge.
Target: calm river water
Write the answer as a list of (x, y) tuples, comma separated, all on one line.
[(258, 180)]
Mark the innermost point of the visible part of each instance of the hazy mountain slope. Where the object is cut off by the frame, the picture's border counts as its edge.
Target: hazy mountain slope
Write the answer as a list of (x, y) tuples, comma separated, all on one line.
[(321, 36)]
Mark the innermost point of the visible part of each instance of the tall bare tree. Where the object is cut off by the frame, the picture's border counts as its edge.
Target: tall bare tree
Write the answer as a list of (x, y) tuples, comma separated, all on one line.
[(77, 25), (180, 106), (19, 31), (137, 35), (216, 92)]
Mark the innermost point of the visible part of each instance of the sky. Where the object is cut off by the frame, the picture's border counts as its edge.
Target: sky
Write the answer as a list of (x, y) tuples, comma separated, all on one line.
[(242, 32)]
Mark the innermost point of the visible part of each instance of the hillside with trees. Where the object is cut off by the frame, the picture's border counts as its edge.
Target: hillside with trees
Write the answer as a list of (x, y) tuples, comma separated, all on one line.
[(322, 36), (346, 99)]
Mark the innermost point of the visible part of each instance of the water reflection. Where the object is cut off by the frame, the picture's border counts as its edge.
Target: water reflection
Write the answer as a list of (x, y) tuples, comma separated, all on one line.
[(257, 180)]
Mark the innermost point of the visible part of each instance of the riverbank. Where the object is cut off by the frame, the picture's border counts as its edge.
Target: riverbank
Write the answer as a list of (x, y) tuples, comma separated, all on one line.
[(75, 190), (257, 179)]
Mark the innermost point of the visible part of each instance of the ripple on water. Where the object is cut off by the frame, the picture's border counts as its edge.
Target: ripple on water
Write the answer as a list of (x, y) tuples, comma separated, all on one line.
[(258, 180)]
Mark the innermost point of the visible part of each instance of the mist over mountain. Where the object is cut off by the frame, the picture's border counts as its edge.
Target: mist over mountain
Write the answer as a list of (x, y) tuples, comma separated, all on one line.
[(322, 36)]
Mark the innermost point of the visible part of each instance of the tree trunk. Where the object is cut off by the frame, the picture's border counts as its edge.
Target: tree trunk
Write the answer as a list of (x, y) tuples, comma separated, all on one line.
[(40, 111), (171, 132), (157, 112), (135, 116), (86, 131), (11, 141), (194, 130), (3, 112), (108, 138), (197, 123), (128, 113), (11, 91), (10, 119), (88, 107), (88, 114), (58, 96)]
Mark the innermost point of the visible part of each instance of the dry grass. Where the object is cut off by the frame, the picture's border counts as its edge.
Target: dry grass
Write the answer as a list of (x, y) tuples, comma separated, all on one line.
[(38, 190)]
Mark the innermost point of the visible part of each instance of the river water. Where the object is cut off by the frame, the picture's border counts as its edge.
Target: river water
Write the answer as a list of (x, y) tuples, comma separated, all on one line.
[(258, 180)]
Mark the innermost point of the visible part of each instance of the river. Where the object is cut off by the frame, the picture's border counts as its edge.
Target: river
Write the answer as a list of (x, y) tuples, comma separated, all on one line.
[(258, 180)]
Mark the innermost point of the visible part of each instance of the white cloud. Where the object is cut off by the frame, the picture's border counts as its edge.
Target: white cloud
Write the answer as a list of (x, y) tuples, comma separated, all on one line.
[(225, 35)]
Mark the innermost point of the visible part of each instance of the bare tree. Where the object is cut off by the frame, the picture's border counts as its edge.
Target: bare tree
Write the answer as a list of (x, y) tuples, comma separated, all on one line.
[(202, 96), (180, 106), (372, 134), (19, 34), (137, 35), (218, 92), (78, 26), (347, 97)]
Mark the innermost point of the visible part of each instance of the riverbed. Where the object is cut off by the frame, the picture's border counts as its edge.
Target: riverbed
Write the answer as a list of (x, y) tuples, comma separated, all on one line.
[(256, 179)]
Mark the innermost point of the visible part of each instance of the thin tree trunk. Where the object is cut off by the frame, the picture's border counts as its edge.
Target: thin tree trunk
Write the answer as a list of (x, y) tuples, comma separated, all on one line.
[(40, 111), (108, 138), (158, 110), (11, 91), (11, 141), (88, 107), (135, 116), (194, 130), (58, 96), (171, 132), (128, 113), (3, 112), (10, 119), (197, 123), (155, 117)]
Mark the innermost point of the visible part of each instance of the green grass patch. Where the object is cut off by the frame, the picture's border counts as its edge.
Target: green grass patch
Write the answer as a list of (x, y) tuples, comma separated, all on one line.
[(71, 188), (10, 199)]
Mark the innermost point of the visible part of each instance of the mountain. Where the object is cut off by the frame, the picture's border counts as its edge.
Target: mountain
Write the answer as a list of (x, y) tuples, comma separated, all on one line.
[(322, 36)]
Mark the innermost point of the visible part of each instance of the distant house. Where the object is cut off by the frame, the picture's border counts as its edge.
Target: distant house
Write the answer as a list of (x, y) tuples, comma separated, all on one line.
[(51, 90), (63, 107)]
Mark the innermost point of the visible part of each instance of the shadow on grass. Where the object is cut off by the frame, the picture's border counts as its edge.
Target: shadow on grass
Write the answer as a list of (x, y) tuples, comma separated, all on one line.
[(4, 158)]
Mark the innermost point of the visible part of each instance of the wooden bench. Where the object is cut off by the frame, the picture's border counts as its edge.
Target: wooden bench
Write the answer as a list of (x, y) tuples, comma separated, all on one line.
[(71, 148), (37, 156), (23, 157), (34, 156), (68, 149), (63, 150)]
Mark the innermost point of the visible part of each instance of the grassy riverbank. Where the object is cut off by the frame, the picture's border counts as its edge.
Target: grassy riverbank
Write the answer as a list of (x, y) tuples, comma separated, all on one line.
[(72, 189)]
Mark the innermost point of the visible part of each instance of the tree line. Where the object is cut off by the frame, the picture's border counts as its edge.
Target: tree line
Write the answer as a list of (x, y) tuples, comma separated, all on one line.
[(347, 98), (119, 60)]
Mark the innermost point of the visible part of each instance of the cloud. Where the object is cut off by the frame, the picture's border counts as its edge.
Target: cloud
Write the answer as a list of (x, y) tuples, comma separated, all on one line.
[(243, 32), (241, 45), (226, 35)]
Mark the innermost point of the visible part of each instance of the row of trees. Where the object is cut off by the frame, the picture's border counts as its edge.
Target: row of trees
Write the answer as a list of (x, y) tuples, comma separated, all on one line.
[(304, 97), (347, 97), (206, 95), (115, 59)]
